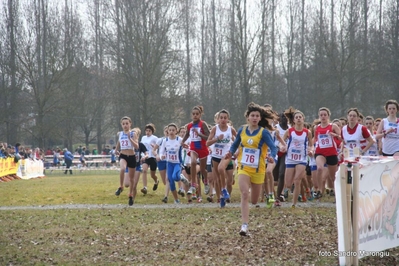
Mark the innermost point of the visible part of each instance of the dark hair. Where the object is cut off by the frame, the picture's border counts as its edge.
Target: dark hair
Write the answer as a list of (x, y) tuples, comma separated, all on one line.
[(289, 113), (264, 114), (353, 110), (223, 111), (151, 127), (283, 121)]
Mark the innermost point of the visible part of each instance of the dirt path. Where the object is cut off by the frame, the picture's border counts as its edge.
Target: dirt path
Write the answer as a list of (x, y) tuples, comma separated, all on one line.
[(156, 206)]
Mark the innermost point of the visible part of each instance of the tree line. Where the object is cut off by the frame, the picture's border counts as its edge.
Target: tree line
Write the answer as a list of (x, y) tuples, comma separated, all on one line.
[(69, 70)]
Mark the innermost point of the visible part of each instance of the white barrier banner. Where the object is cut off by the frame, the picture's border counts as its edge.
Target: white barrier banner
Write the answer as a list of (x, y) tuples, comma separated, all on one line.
[(28, 169), (378, 220), (378, 206)]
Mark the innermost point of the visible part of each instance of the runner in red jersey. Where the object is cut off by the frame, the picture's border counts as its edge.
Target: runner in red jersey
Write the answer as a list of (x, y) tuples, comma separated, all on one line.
[(198, 132), (326, 148)]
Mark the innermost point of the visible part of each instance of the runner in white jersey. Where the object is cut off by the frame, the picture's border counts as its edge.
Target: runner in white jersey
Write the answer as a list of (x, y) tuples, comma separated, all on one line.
[(127, 142), (185, 161), (279, 170), (300, 145), (162, 163), (221, 136), (388, 130), (269, 191), (170, 150), (373, 150), (211, 181), (149, 140), (353, 133)]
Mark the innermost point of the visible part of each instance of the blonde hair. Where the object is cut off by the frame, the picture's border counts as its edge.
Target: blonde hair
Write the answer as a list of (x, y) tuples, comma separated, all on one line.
[(137, 131)]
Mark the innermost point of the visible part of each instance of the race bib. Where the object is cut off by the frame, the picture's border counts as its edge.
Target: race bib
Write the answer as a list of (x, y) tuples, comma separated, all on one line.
[(218, 151), (250, 157), (173, 157), (325, 141), (296, 155), (194, 135), (351, 145)]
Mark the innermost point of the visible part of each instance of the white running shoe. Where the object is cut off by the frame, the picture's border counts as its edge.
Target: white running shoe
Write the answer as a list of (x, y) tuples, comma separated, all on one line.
[(184, 180), (207, 189), (244, 230)]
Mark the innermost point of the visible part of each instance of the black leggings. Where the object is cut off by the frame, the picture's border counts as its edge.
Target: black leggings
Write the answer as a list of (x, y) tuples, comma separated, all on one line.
[(279, 174)]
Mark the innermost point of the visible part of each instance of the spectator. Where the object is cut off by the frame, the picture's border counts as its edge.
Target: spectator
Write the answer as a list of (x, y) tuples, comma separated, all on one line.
[(2, 151), (17, 145), (95, 151), (113, 156), (50, 152), (107, 149), (56, 157), (68, 157), (82, 157)]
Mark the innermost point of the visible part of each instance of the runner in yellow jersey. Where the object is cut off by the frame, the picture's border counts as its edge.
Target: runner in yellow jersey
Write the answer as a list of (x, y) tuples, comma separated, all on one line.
[(252, 141)]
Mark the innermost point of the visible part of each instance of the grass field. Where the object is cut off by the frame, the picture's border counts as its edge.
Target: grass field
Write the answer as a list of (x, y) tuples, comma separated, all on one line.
[(159, 234)]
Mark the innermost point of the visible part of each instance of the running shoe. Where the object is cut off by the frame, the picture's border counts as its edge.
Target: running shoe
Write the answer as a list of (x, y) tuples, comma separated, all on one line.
[(199, 199), (310, 197), (210, 198), (318, 195), (304, 199), (268, 204), (191, 191), (181, 192), (225, 194), (281, 198), (300, 198), (293, 207), (332, 194), (277, 203), (184, 180), (165, 200), (244, 230), (222, 202), (271, 198), (206, 189), (194, 197), (130, 201), (286, 193), (155, 187), (118, 191), (177, 201), (144, 190)]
